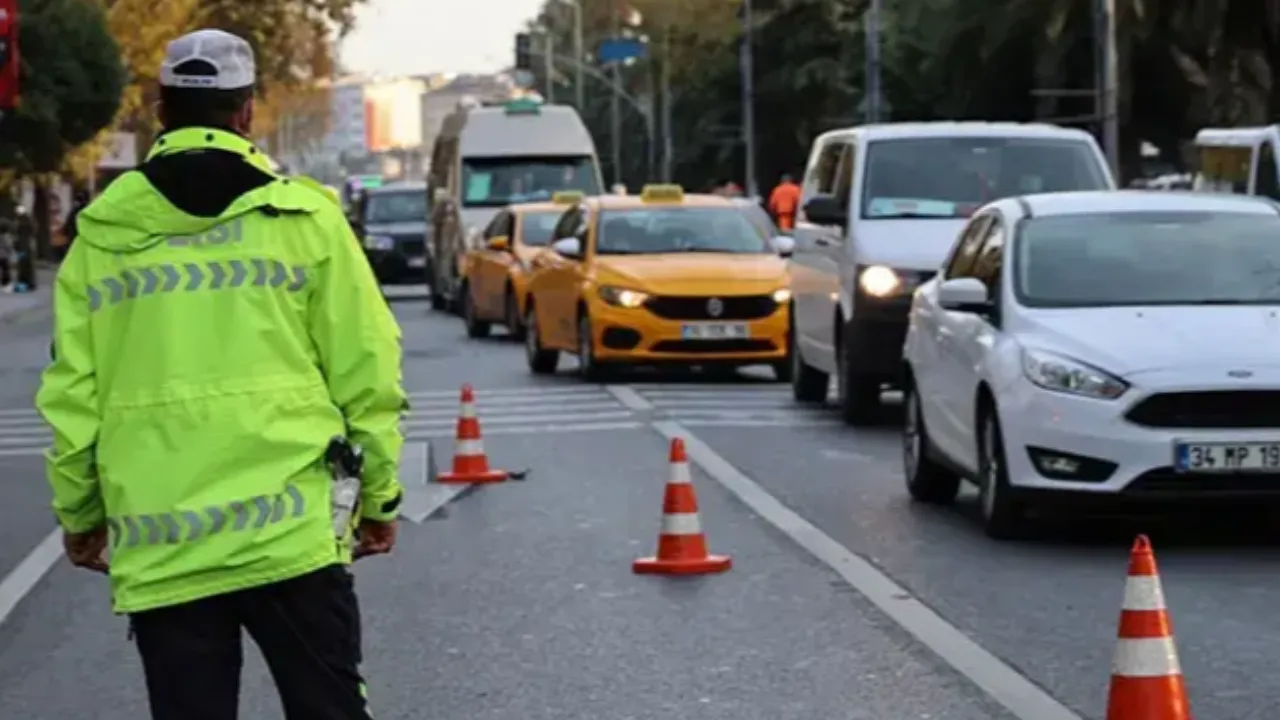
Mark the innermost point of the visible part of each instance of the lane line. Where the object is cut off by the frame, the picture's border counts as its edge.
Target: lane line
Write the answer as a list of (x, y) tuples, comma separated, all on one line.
[(448, 432), (629, 398), (1003, 683), (483, 392), (760, 422), (23, 579), (28, 451)]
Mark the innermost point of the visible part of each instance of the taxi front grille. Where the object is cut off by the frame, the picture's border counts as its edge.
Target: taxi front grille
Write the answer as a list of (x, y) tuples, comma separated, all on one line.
[(740, 307), (1218, 409)]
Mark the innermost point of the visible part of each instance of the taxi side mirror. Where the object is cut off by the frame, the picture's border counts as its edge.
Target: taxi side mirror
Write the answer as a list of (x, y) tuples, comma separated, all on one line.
[(500, 243), (569, 247), (784, 245)]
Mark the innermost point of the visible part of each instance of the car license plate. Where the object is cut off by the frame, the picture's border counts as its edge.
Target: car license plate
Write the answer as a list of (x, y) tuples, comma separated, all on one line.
[(417, 262), (1241, 457), (715, 331)]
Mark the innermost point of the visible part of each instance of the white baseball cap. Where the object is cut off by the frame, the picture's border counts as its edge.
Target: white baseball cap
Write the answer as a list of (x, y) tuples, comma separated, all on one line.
[(208, 60)]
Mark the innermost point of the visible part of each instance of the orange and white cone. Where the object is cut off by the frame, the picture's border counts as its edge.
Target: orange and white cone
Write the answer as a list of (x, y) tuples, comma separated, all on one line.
[(682, 548), (1146, 678), (470, 464)]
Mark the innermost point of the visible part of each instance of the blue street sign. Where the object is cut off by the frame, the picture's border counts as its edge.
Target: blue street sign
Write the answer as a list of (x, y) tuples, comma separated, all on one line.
[(620, 50)]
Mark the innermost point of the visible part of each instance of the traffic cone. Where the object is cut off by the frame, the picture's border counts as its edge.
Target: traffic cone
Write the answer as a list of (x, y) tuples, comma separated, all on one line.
[(682, 548), (470, 464), (1146, 679)]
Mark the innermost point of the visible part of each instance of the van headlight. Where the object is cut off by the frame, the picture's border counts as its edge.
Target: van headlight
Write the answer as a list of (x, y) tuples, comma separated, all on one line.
[(379, 242), (879, 281), (1062, 374), (782, 296), (622, 297)]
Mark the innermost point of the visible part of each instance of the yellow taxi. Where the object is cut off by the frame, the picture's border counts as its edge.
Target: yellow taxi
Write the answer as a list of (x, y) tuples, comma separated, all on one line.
[(655, 279), (494, 276)]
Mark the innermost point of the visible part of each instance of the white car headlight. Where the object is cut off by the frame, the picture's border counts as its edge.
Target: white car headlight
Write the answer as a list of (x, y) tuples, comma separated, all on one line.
[(782, 296), (879, 281), (379, 242), (622, 297), (1061, 374)]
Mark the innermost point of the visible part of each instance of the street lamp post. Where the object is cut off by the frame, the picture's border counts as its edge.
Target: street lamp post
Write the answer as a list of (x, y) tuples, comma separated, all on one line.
[(579, 51), (749, 99)]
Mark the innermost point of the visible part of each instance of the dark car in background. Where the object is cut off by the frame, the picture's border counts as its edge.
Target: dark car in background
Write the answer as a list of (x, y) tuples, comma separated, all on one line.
[(391, 222)]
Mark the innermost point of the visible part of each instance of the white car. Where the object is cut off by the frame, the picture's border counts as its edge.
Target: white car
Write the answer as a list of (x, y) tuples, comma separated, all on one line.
[(1122, 344)]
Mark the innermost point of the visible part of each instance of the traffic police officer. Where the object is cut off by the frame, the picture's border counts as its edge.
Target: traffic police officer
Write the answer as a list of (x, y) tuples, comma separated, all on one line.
[(215, 326)]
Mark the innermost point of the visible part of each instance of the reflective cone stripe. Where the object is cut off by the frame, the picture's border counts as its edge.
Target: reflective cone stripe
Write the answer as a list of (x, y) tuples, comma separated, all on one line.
[(682, 546), (470, 464), (1146, 677)]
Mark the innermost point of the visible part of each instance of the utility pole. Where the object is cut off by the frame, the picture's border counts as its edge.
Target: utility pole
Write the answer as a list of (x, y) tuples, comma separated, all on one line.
[(749, 98), (579, 53), (1108, 84), (615, 108), (550, 58), (873, 92), (668, 142)]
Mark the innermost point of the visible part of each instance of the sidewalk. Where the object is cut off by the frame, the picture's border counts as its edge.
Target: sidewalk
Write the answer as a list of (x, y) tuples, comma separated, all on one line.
[(13, 305)]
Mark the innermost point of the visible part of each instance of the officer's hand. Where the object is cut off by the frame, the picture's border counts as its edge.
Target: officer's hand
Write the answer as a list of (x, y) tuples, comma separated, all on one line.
[(376, 538), (87, 550)]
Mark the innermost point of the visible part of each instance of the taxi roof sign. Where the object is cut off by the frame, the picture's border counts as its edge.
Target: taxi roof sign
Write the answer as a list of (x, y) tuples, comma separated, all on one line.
[(523, 106), (662, 193), (567, 197)]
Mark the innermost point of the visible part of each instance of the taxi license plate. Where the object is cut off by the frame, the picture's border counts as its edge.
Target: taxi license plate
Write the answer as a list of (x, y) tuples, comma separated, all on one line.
[(715, 331), (417, 262), (1241, 457)]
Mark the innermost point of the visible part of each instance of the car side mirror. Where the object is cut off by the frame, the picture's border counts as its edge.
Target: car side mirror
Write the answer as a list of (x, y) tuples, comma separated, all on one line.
[(966, 294), (785, 245), (501, 243), (826, 210), (570, 247)]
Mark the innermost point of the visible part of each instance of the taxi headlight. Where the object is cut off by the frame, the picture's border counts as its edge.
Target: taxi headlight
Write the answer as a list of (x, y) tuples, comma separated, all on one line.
[(622, 297), (879, 281), (379, 242), (782, 296), (1061, 374)]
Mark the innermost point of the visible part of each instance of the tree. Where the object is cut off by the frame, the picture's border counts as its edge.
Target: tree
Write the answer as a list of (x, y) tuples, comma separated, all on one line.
[(72, 80)]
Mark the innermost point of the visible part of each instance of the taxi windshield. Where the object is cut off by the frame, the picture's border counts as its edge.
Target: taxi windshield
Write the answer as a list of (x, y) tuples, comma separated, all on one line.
[(1148, 258), (536, 227), (651, 231), (949, 177)]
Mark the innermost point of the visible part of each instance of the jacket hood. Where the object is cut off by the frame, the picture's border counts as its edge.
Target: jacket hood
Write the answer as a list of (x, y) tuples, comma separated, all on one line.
[(193, 180)]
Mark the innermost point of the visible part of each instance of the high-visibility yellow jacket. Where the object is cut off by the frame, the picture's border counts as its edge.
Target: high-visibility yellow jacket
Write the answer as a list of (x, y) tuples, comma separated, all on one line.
[(201, 366)]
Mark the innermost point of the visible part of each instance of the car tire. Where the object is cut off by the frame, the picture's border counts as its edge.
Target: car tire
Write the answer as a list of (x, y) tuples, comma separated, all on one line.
[(808, 385), (782, 371), (859, 394), (541, 360), (928, 481), (1003, 511), (511, 315), (475, 328), (588, 367)]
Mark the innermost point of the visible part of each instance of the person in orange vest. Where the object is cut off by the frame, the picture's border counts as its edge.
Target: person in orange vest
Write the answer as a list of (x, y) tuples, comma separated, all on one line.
[(784, 202)]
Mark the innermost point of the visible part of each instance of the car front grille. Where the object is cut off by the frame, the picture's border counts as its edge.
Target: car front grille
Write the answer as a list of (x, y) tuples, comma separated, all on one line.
[(1217, 409), (411, 245), (740, 307)]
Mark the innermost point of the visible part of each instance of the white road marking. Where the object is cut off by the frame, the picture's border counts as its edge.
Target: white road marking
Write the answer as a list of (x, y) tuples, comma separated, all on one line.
[(783, 422), (23, 579), (1005, 685), (22, 452), (443, 432), (629, 398), (422, 497), (484, 392), (495, 419)]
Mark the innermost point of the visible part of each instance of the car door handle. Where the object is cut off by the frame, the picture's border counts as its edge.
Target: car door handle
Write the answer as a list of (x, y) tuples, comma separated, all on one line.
[(822, 242)]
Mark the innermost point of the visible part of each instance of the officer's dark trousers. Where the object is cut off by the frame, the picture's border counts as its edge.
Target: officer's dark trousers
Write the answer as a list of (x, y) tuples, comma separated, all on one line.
[(308, 630)]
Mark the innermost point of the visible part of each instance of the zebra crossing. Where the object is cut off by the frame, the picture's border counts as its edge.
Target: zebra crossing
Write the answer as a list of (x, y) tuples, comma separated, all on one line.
[(738, 405)]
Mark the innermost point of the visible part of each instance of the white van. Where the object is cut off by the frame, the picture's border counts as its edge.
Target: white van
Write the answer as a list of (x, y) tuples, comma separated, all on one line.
[(1241, 161), (487, 157), (881, 207)]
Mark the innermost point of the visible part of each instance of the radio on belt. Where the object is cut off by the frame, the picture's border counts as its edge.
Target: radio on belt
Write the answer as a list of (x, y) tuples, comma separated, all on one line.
[(346, 464)]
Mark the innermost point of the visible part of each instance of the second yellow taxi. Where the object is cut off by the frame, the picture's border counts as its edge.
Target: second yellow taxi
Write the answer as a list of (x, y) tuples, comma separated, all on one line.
[(494, 275), (655, 279)]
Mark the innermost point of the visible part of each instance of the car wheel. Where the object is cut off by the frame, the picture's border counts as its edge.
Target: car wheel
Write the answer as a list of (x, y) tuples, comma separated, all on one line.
[(859, 393), (1003, 513), (512, 316), (782, 371), (808, 385), (475, 328), (541, 361), (927, 480), (590, 369)]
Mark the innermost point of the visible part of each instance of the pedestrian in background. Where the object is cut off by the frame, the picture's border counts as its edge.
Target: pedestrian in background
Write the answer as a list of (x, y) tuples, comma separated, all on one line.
[(24, 251), (191, 415), (784, 203), (8, 240)]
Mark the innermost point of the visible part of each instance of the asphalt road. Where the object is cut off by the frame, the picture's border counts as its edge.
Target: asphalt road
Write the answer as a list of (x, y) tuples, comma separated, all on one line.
[(518, 602)]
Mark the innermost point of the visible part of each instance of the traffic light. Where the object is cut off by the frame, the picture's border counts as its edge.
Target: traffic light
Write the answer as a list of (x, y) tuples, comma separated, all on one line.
[(524, 59)]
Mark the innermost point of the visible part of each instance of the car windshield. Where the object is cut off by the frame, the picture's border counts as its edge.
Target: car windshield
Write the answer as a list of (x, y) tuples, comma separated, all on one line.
[(1148, 258), (494, 182), (953, 176), (757, 215), (396, 207), (536, 227), (645, 231)]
